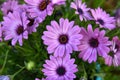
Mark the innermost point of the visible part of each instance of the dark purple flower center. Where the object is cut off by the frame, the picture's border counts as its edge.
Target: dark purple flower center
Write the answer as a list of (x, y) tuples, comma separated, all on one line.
[(61, 71), (93, 42), (19, 30), (112, 53), (11, 11), (31, 22), (63, 39), (43, 5), (116, 47), (80, 11), (100, 21)]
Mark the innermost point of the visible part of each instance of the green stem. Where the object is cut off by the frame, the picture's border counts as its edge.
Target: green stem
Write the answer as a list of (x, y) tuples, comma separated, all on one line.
[(6, 56), (17, 73), (85, 74)]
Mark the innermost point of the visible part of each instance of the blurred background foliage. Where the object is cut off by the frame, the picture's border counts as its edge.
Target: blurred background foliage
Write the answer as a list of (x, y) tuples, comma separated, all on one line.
[(25, 62)]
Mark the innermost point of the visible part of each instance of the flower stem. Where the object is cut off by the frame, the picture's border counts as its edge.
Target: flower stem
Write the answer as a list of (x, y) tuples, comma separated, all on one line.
[(6, 56), (12, 78), (85, 74)]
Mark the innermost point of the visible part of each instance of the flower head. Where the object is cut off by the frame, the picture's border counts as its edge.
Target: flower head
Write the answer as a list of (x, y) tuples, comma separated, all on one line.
[(62, 38), (32, 25), (93, 42), (9, 6), (114, 56), (103, 19), (14, 27), (81, 9), (42, 8), (33, 22), (4, 77), (60, 68), (39, 8)]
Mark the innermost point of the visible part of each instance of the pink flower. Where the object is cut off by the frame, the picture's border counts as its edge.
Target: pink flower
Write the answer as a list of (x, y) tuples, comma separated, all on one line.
[(14, 27), (114, 55), (103, 19), (39, 8), (42, 8), (9, 6), (62, 38), (93, 42), (81, 10), (33, 22), (32, 25), (60, 68)]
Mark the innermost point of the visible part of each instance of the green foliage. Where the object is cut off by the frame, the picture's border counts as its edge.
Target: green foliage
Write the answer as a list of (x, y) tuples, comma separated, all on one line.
[(25, 62)]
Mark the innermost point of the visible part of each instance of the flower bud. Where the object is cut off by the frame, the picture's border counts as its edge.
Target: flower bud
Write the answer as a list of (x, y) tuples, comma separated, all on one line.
[(30, 65)]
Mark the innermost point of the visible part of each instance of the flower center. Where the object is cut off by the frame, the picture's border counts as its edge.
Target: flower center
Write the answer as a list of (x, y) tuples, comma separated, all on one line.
[(114, 51), (43, 5), (63, 39), (93, 42), (101, 21), (80, 11), (61, 71), (20, 30), (9, 11), (31, 22), (116, 47)]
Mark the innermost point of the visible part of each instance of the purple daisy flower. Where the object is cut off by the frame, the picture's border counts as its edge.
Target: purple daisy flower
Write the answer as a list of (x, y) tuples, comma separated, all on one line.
[(93, 42), (3, 77), (14, 27), (60, 68), (33, 22), (42, 8), (63, 38), (81, 9), (9, 6), (32, 25), (39, 8), (103, 19), (114, 56)]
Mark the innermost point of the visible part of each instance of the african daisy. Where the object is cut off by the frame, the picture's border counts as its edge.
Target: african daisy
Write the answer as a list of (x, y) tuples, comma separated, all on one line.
[(9, 6), (41, 8), (60, 68), (14, 27), (114, 55), (93, 42), (62, 38), (81, 10), (103, 19)]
